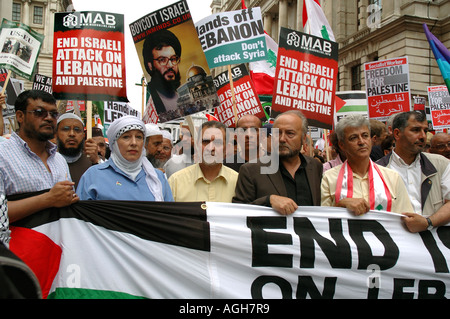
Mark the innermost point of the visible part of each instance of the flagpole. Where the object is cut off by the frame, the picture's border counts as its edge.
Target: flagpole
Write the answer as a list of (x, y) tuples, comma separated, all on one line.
[(233, 97), (143, 95), (88, 119)]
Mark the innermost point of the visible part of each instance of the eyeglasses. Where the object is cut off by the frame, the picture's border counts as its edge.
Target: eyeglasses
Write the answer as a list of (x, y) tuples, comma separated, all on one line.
[(441, 147), (44, 113), (162, 60), (76, 129)]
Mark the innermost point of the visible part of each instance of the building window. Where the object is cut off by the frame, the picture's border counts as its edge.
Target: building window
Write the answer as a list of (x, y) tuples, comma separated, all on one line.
[(16, 11), (356, 77), (38, 15)]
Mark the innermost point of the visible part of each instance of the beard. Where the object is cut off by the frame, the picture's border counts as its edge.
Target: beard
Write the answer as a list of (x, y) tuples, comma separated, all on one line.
[(40, 136), (288, 152), (157, 163), (70, 151), (168, 88)]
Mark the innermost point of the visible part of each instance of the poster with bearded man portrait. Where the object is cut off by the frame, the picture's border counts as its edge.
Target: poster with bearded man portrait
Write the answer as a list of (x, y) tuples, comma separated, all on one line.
[(177, 75)]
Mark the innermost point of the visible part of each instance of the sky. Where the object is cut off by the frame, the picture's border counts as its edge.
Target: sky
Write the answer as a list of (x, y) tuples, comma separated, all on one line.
[(132, 11)]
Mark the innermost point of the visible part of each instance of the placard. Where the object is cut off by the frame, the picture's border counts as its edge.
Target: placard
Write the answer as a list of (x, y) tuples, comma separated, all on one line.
[(89, 56), (306, 75)]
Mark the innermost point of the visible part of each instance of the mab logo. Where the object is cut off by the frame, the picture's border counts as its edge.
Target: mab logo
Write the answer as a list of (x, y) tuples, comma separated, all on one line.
[(89, 19), (293, 39)]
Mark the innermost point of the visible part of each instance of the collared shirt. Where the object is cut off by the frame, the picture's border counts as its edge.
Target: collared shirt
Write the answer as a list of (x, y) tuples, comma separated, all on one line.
[(411, 175), (22, 171), (400, 199), (332, 163), (106, 181), (190, 185), (297, 187)]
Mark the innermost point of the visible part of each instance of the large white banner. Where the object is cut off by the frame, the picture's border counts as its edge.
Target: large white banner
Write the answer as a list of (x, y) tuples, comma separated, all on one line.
[(250, 252)]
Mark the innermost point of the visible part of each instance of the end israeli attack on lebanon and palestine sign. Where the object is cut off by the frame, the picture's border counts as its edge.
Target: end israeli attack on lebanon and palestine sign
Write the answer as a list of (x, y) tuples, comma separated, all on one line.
[(233, 37), (20, 46), (89, 56), (305, 78), (247, 100)]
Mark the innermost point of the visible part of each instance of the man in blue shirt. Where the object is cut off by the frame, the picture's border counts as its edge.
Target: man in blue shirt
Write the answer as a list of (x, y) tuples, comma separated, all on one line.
[(29, 162)]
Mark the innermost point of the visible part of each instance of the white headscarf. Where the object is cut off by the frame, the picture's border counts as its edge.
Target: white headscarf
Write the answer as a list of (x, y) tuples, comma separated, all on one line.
[(132, 169)]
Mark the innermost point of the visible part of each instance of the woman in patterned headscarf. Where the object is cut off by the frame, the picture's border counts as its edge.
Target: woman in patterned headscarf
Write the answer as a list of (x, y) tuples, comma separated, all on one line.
[(127, 175)]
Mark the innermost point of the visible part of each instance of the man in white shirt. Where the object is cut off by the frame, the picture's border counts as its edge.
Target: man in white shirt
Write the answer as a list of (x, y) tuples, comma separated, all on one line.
[(426, 176)]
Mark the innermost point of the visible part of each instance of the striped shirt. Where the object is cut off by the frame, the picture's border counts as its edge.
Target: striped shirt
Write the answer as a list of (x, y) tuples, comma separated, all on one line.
[(22, 171)]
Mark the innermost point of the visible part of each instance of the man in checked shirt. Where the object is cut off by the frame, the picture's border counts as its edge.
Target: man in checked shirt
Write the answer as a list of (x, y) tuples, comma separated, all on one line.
[(29, 162)]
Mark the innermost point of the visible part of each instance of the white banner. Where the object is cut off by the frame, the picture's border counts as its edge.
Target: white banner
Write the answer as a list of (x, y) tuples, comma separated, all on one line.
[(252, 252)]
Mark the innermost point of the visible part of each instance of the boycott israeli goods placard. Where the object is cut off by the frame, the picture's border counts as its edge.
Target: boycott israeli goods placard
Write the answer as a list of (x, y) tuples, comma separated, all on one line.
[(245, 97), (305, 78), (233, 37), (20, 46), (387, 87), (174, 65), (89, 56), (439, 101)]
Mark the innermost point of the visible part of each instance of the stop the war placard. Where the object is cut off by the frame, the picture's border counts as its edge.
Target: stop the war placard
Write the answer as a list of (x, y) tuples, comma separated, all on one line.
[(233, 37), (305, 77), (20, 46), (387, 87), (439, 101), (89, 56), (247, 101)]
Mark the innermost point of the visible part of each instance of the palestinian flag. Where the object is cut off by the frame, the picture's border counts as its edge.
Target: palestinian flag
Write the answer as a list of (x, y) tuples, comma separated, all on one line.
[(314, 20), (116, 249)]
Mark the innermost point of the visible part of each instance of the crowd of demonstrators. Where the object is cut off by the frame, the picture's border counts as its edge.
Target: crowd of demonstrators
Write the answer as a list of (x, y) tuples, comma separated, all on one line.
[(142, 163)]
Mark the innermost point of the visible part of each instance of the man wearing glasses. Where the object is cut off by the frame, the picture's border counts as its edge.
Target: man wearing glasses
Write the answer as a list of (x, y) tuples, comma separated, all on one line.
[(440, 144), (80, 154), (162, 52), (29, 162)]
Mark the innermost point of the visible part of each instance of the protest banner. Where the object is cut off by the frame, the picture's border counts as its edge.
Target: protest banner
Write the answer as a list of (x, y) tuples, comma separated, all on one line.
[(247, 101), (42, 83), (387, 87), (114, 110), (11, 88), (439, 101), (174, 65), (89, 56), (233, 251), (233, 37), (306, 77), (20, 48)]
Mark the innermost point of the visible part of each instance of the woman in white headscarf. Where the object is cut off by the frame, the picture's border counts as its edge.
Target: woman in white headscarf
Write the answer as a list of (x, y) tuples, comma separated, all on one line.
[(127, 175)]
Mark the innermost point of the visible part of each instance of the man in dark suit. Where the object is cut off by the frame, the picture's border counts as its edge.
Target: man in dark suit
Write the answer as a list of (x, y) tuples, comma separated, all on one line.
[(297, 180)]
